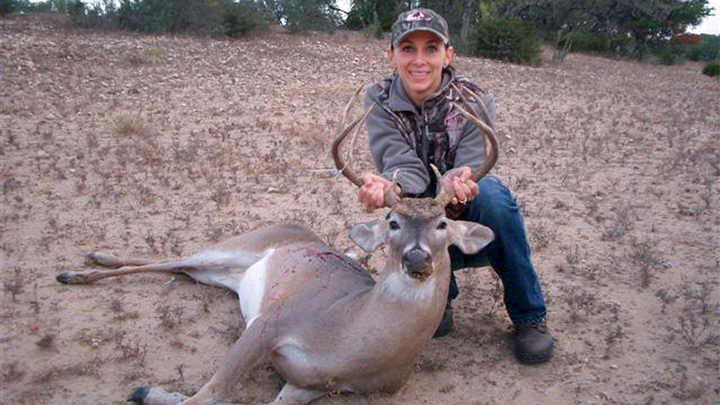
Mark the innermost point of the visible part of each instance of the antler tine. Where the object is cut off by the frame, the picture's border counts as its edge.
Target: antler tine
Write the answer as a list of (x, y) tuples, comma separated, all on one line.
[(391, 197), (339, 162), (442, 198), (349, 104), (485, 128), (478, 100)]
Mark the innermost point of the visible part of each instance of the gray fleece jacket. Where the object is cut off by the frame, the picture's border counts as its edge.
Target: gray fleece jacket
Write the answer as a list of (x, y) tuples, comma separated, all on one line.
[(408, 138)]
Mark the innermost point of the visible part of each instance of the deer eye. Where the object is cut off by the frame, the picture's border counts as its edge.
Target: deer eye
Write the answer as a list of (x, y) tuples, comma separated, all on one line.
[(442, 226), (394, 225)]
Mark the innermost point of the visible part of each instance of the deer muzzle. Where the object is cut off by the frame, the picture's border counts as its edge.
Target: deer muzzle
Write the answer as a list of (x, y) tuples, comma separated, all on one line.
[(417, 263)]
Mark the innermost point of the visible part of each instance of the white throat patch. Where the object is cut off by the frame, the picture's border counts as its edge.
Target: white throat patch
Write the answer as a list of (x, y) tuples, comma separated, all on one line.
[(402, 287)]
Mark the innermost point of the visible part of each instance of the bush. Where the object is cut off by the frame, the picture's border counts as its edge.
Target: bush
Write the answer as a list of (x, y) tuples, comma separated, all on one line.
[(309, 15), (712, 69), (76, 10), (239, 19), (506, 39), (224, 17), (169, 16), (589, 41), (7, 6), (28, 7)]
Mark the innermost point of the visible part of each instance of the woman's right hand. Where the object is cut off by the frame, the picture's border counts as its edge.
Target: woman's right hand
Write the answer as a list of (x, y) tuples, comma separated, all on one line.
[(372, 192)]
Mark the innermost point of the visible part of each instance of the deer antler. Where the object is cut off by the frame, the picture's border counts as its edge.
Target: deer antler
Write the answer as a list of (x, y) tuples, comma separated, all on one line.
[(442, 198), (391, 197), (485, 128)]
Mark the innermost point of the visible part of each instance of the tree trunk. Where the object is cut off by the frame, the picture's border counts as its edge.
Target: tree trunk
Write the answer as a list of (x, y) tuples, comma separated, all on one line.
[(465, 28)]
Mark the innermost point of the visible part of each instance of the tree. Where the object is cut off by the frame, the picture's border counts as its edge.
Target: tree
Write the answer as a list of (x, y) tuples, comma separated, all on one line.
[(365, 13), (306, 15)]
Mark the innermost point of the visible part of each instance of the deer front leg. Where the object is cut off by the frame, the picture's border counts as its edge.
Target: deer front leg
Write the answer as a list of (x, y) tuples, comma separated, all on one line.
[(158, 396), (292, 395), (246, 351)]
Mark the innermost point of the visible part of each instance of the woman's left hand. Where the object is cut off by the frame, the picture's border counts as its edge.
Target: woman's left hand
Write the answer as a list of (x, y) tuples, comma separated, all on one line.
[(457, 182)]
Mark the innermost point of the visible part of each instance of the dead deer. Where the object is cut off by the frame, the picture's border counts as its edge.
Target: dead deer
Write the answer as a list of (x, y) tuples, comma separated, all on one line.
[(315, 313)]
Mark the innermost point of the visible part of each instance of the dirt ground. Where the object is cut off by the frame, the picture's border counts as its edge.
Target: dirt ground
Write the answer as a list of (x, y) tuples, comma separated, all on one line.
[(160, 145)]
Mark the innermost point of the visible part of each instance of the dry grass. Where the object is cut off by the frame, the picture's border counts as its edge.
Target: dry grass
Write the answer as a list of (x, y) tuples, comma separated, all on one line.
[(158, 146)]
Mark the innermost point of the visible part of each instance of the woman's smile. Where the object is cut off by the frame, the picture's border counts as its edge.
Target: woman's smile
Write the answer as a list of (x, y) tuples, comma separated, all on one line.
[(419, 59)]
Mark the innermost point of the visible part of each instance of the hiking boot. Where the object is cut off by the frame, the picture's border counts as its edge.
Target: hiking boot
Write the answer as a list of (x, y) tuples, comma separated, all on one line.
[(533, 343), (446, 324)]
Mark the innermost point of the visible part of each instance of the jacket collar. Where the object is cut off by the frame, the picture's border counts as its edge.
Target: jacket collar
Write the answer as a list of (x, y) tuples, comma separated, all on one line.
[(400, 101)]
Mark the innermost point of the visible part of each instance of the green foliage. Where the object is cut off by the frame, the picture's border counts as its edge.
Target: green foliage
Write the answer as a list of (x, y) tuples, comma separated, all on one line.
[(604, 43), (670, 53), (310, 15), (622, 27), (666, 56), (239, 19), (8, 6), (712, 69), (378, 14), (28, 7), (170, 15), (76, 10), (708, 49), (507, 39), (220, 17)]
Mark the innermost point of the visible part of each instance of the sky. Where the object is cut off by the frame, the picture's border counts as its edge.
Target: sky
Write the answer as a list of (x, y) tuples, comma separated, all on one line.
[(711, 24)]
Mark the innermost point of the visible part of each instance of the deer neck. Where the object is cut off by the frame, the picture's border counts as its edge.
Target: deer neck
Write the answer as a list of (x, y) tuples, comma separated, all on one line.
[(408, 304)]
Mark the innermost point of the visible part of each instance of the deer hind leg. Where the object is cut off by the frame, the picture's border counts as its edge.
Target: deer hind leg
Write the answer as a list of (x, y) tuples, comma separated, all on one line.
[(112, 261), (246, 351), (170, 265)]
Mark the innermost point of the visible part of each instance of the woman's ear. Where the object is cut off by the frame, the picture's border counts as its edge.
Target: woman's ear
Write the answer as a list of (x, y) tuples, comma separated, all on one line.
[(390, 57), (449, 53)]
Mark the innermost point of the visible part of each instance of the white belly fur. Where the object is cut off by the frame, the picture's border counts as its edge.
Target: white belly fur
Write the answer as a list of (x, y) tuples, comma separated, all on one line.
[(251, 289)]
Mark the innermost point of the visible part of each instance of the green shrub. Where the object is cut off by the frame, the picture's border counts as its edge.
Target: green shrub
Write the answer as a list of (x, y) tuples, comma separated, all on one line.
[(76, 10), (7, 6), (309, 15), (202, 16), (667, 55), (506, 39), (707, 50), (596, 42), (239, 19), (712, 69), (37, 7)]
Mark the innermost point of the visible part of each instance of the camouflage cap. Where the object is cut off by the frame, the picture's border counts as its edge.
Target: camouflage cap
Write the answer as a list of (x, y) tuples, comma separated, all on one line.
[(419, 19)]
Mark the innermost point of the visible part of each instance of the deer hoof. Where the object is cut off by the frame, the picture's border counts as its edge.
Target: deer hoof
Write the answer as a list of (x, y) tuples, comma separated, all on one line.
[(65, 278), (92, 258), (138, 395)]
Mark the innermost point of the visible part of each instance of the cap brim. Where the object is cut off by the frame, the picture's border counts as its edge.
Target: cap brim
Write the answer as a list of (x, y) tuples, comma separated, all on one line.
[(436, 32)]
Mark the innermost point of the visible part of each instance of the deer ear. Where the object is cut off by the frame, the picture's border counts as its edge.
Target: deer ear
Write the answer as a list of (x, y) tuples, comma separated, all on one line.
[(368, 235), (470, 237)]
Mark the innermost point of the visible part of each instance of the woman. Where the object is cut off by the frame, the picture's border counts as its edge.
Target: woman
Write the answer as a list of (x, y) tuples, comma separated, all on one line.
[(413, 125)]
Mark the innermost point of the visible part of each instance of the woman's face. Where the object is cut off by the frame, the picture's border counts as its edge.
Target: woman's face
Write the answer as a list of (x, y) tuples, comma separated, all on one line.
[(419, 59)]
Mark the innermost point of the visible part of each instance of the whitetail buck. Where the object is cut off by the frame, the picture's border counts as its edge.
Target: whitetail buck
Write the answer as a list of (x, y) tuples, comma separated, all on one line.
[(316, 314)]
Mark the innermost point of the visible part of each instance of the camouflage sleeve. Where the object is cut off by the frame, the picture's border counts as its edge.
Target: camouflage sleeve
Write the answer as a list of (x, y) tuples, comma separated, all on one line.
[(389, 149), (471, 149)]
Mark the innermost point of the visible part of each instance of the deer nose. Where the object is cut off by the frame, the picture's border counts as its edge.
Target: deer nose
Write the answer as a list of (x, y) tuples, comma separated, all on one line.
[(417, 263)]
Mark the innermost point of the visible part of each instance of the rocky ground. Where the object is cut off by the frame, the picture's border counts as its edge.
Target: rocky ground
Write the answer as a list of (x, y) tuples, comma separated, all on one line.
[(160, 145)]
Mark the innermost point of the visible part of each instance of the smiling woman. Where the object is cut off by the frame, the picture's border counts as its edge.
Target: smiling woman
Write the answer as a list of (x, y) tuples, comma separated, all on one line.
[(420, 79), (414, 123)]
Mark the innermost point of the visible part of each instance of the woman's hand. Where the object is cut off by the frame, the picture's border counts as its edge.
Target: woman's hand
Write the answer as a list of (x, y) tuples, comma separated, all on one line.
[(458, 183), (372, 192)]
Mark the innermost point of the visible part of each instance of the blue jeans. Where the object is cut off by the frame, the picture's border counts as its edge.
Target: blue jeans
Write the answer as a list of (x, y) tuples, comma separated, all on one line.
[(509, 254)]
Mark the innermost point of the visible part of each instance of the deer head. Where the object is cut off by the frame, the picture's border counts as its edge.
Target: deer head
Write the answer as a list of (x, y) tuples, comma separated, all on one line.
[(417, 230)]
